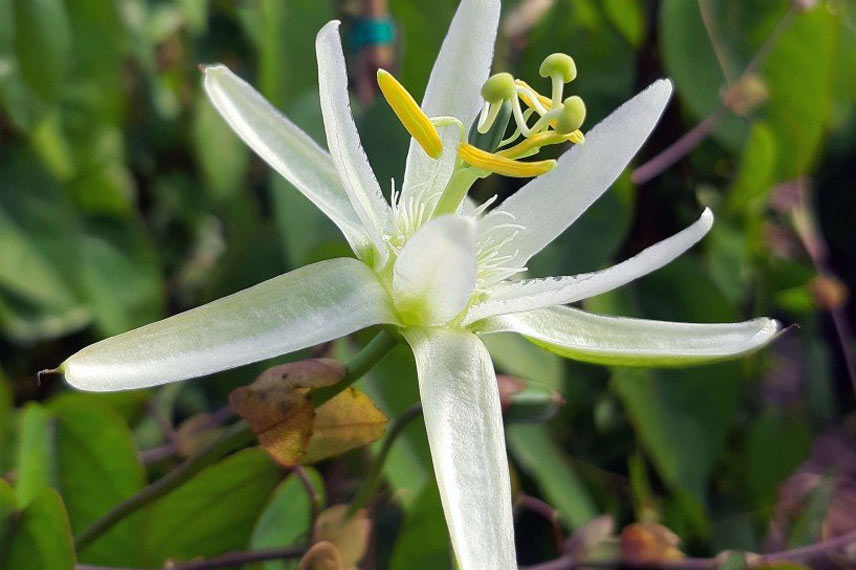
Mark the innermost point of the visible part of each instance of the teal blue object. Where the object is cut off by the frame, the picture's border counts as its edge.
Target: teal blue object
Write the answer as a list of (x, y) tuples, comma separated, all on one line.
[(366, 32)]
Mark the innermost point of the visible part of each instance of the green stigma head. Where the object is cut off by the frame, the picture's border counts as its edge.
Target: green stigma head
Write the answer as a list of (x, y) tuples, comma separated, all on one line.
[(559, 64), (498, 87), (572, 116)]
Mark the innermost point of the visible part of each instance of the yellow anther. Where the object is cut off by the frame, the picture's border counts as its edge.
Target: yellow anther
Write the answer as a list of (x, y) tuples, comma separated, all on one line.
[(529, 146), (410, 114), (545, 101), (501, 164)]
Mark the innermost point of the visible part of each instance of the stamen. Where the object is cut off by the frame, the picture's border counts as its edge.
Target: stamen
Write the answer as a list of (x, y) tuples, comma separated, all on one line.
[(532, 98), (410, 114), (502, 165)]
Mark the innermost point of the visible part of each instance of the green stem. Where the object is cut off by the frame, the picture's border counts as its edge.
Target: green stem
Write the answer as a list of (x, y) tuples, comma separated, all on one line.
[(357, 366), (456, 190), (368, 488), (235, 437)]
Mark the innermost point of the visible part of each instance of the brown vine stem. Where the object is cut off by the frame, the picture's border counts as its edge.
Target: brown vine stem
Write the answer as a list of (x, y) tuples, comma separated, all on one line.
[(689, 141), (314, 499), (819, 551), (547, 512), (225, 561), (805, 554)]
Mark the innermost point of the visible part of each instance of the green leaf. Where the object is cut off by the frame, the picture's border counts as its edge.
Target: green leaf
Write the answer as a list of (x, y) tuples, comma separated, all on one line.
[(768, 461), (212, 513), (801, 74), (42, 45), (808, 528), (35, 465), (756, 174), (286, 519), (628, 16), (42, 537), (515, 355), (97, 469), (691, 62), (8, 505), (221, 154), (122, 275), (423, 541), (544, 461)]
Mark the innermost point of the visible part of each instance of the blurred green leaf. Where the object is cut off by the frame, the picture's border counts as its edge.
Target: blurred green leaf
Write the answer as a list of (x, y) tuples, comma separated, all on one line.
[(213, 513), (515, 355), (95, 95), (35, 465), (808, 528), (286, 518), (756, 174), (691, 62), (97, 468), (775, 446), (42, 536), (423, 541), (8, 505), (42, 45), (628, 16), (800, 73), (221, 154), (545, 462), (122, 275)]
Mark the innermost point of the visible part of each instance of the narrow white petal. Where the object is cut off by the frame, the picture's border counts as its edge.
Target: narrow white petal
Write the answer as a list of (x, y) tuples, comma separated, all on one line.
[(516, 296), (435, 274), (308, 306), (343, 140), (462, 66), (289, 150), (632, 342), (460, 402), (547, 205)]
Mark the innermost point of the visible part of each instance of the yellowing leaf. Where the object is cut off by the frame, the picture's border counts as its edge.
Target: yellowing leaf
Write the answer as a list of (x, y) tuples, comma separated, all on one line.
[(322, 556), (643, 543), (350, 535), (348, 421), (279, 408)]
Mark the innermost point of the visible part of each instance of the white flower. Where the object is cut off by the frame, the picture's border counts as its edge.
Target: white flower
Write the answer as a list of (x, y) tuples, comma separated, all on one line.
[(432, 264)]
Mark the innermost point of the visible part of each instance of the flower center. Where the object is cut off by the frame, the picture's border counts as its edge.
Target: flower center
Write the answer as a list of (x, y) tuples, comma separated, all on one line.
[(486, 149)]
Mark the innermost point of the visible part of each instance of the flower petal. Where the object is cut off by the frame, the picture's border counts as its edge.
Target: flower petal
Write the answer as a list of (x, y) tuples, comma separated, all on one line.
[(546, 206), (460, 402), (308, 306), (289, 150), (343, 140), (435, 274), (517, 296), (632, 342), (462, 65)]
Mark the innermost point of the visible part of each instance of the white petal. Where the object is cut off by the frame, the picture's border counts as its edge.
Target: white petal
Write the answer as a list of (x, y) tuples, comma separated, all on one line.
[(517, 296), (547, 205), (460, 402), (343, 140), (632, 342), (289, 150), (308, 306), (435, 274), (462, 66)]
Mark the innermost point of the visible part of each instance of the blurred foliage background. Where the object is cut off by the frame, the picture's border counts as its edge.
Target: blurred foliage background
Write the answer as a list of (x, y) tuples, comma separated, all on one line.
[(125, 198)]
